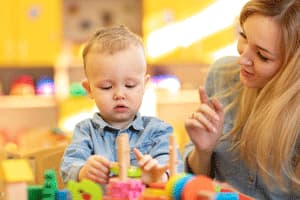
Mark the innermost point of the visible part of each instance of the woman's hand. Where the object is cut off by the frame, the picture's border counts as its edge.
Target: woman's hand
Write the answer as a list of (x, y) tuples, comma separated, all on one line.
[(205, 125), (96, 169)]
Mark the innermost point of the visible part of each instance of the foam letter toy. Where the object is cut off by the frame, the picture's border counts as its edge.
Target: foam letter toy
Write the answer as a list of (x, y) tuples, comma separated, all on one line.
[(87, 187)]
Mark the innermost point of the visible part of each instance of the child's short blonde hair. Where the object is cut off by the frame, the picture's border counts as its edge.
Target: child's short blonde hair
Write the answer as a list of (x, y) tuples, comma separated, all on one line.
[(110, 40)]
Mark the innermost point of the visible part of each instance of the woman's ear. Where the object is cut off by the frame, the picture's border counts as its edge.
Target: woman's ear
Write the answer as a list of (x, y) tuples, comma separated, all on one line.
[(85, 84)]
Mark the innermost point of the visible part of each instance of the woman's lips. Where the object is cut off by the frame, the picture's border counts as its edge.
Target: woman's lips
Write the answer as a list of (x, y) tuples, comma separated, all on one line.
[(246, 73)]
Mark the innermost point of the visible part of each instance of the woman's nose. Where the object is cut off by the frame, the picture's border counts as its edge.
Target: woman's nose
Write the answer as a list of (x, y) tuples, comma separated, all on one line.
[(245, 52), (245, 56), (245, 60)]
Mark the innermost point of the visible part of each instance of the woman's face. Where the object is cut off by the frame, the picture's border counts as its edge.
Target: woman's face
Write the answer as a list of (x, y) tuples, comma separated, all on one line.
[(259, 46)]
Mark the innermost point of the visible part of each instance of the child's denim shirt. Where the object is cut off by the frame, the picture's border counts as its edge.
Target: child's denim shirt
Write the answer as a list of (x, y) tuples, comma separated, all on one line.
[(94, 136)]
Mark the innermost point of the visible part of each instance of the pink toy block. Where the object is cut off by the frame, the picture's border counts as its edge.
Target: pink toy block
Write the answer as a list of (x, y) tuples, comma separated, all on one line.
[(130, 189)]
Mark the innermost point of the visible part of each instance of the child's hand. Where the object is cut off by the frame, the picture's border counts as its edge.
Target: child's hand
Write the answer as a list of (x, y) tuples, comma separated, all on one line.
[(95, 169), (151, 170)]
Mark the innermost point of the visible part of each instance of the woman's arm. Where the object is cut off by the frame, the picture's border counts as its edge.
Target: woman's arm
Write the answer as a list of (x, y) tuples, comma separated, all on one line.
[(199, 162), (204, 128), (206, 124)]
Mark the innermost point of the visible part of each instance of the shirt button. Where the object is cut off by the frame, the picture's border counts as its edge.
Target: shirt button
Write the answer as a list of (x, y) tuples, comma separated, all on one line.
[(251, 179)]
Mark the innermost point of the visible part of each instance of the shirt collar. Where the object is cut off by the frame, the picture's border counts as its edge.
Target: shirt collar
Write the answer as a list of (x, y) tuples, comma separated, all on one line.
[(136, 124)]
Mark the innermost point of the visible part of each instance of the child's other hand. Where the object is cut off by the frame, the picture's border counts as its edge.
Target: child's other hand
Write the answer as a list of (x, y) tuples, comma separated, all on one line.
[(151, 170), (95, 169)]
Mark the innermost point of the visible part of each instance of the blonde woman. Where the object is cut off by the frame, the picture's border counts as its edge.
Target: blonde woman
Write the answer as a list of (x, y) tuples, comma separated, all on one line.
[(246, 130)]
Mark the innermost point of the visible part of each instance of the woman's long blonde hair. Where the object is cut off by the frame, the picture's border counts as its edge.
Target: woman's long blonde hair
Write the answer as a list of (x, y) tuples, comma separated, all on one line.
[(267, 124)]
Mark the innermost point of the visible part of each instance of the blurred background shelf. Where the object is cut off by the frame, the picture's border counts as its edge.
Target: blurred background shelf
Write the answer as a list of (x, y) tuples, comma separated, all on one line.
[(27, 102), (21, 113)]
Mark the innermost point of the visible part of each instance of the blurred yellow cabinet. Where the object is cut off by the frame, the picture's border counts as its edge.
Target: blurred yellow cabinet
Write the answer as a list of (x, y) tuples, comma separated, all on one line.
[(31, 32)]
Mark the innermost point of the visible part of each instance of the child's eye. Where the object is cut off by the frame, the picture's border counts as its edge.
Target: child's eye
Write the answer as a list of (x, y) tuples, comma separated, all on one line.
[(106, 87), (130, 86), (263, 58)]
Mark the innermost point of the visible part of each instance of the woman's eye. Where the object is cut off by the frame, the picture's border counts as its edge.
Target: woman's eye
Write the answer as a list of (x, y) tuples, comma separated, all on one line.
[(263, 58), (243, 35)]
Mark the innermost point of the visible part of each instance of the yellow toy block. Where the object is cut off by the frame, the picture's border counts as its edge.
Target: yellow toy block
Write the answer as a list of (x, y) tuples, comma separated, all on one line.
[(16, 170)]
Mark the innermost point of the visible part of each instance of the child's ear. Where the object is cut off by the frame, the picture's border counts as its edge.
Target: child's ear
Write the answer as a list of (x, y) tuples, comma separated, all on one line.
[(147, 78), (85, 84)]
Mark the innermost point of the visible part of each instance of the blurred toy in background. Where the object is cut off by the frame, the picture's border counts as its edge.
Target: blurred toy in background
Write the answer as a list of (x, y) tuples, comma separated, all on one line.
[(45, 86), (3, 137), (16, 174), (41, 137), (29, 140), (7, 137), (76, 90), (22, 85), (170, 83)]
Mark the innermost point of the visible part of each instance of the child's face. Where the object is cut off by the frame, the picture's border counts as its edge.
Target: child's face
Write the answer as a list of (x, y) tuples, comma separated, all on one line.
[(117, 83)]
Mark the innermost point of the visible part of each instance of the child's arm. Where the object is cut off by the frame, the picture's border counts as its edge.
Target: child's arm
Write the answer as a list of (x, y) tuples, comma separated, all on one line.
[(151, 170), (96, 169)]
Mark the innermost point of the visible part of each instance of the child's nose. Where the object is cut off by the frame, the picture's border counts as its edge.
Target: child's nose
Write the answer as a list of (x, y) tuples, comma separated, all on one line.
[(118, 95)]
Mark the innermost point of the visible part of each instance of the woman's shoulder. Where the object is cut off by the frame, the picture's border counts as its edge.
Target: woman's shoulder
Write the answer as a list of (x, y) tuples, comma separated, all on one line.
[(225, 64), (222, 74)]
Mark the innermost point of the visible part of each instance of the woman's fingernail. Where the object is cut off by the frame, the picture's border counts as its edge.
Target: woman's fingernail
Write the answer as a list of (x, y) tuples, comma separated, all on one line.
[(216, 117), (214, 129)]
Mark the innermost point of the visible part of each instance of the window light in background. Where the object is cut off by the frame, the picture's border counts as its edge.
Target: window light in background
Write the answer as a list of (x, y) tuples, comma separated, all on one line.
[(74, 109), (228, 50), (217, 16), (148, 106), (68, 124)]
